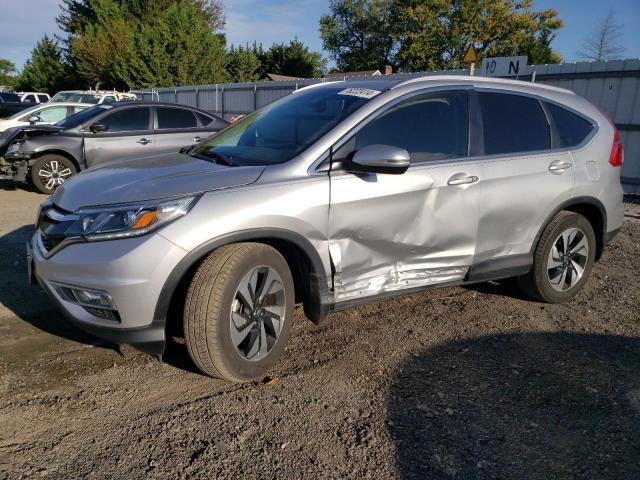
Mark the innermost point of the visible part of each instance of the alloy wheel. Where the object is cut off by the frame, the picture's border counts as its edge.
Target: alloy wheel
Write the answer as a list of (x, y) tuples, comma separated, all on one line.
[(257, 313), (53, 174), (567, 259)]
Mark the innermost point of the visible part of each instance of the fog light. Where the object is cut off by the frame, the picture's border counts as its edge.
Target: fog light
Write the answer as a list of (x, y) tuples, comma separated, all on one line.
[(93, 298), (86, 297)]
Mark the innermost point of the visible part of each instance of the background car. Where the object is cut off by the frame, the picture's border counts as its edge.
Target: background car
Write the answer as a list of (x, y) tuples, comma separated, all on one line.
[(33, 97), (97, 97), (50, 154), (10, 103), (64, 95), (45, 113)]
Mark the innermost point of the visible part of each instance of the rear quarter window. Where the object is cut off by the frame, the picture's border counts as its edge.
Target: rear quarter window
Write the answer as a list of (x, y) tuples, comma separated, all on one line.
[(513, 124), (169, 118), (570, 129)]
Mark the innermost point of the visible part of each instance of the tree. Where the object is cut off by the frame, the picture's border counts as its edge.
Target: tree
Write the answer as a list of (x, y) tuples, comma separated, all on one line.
[(360, 34), (414, 35), (603, 43), (294, 59), (174, 47), (7, 73), (137, 43), (44, 71), (538, 46), (243, 65)]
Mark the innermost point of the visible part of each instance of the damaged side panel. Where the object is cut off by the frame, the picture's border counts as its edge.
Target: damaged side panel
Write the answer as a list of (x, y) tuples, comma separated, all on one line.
[(395, 232)]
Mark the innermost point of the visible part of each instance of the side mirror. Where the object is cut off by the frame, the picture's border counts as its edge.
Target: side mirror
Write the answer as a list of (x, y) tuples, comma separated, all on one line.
[(382, 159), (34, 119), (98, 127)]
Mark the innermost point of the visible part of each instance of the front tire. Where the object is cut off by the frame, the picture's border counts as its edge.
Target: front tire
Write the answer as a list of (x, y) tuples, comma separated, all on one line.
[(238, 311), (50, 171), (563, 259)]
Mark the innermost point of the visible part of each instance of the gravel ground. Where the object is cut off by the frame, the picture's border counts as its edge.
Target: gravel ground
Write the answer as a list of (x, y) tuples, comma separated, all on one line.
[(452, 383)]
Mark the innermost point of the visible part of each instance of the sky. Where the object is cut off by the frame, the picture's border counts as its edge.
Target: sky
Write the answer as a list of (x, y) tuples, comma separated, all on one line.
[(269, 21)]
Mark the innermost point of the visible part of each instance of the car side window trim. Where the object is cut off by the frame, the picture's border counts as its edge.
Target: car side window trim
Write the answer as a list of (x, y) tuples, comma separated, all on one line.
[(319, 167), (531, 153)]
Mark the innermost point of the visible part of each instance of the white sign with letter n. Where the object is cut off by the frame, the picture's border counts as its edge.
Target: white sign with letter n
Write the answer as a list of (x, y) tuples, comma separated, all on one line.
[(504, 66)]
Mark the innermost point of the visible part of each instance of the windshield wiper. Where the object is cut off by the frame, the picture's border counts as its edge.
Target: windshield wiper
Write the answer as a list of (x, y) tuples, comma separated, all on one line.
[(216, 158)]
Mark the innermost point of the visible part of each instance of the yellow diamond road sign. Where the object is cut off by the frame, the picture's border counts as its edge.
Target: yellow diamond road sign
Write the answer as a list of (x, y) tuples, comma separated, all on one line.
[(470, 54)]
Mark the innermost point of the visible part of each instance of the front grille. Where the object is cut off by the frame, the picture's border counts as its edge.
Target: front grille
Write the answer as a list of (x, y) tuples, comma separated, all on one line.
[(55, 225)]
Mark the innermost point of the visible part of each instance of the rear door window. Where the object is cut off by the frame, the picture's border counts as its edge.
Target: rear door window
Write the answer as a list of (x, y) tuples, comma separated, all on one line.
[(513, 124), (430, 126), (127, 120), (570, 129), (43, 98), (30, 98), (175, 118)]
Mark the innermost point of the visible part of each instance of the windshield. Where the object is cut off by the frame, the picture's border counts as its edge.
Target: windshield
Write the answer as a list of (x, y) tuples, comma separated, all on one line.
[(62, 96), (280, 131), (84, 98), (79, 118)]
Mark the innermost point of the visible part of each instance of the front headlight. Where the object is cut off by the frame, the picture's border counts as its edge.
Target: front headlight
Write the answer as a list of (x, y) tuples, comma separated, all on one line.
[(129, 220), (13, 148)]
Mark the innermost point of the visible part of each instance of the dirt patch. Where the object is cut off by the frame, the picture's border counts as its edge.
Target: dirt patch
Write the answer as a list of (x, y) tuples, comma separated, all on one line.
[(452, 383)]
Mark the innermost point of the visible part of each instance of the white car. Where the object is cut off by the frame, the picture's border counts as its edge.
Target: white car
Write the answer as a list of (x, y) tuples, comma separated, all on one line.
[(44, 113), (33, 97), (63, 95), (97, 97)]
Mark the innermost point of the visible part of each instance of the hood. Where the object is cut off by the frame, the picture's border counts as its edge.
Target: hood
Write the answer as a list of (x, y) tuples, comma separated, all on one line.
[(10, 134), (149, 178)]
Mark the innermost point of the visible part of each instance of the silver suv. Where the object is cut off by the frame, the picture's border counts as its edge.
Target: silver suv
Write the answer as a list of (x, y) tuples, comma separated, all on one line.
[(339, 194)]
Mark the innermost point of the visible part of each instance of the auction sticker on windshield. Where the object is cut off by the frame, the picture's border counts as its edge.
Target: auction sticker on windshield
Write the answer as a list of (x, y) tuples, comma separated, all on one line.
[(359, 92)]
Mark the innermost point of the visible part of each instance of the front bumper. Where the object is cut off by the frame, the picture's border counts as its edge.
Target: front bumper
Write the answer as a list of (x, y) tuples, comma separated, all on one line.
[(133, 271), (16, 170)]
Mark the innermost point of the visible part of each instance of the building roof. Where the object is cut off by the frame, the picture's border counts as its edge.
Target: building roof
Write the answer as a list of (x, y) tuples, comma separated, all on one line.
[(277, 78), (363, 73)]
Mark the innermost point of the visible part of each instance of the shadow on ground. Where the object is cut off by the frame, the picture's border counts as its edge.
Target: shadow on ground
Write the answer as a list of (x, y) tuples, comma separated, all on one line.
[(535, 406)]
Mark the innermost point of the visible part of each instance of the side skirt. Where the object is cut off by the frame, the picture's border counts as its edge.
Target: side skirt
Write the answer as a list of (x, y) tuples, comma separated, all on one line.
[(494, 269)]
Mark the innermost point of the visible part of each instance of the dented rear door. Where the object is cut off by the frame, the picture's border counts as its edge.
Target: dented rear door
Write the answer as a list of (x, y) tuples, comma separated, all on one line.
[(390, 232)]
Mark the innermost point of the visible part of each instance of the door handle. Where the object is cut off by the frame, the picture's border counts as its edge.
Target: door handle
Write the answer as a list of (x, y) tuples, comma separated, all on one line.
[(197, 139), (143, 141), (463, 181), (559, 166)]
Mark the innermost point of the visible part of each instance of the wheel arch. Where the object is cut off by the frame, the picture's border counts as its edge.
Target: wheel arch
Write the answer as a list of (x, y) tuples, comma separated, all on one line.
[(589, 207), (310, 279), (54, 151)]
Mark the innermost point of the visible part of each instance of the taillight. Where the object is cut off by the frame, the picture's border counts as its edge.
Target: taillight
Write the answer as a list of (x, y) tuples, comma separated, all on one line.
[(617, 152)]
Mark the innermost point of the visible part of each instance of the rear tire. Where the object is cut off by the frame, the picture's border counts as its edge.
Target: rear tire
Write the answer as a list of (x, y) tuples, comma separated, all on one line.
[(50, 171), (562, 259), (230, 311)]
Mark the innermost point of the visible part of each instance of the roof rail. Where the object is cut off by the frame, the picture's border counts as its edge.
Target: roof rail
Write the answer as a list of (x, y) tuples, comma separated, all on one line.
[(479, 79)]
